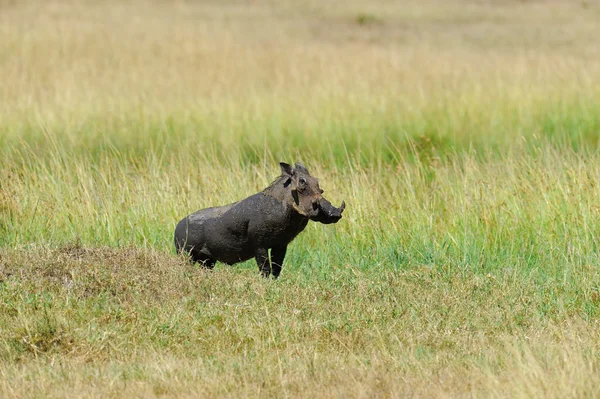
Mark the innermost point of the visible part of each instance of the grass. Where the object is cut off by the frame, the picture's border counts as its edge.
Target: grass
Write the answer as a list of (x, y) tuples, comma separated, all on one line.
[(463, 136), (107, 322)]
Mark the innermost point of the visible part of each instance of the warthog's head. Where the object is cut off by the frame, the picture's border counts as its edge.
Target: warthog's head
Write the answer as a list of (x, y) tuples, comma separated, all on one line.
[(306, 195)]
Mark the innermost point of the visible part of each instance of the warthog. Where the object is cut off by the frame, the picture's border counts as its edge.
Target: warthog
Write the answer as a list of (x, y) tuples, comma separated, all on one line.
[(270, 219)]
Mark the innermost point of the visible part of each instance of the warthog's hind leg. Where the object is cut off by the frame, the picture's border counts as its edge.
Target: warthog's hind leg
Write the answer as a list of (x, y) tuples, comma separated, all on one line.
[(202, 259), (262, 259), (277, 256)]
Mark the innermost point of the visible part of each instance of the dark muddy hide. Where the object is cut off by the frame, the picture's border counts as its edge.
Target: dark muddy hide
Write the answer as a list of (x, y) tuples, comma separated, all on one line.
[(270, 219)]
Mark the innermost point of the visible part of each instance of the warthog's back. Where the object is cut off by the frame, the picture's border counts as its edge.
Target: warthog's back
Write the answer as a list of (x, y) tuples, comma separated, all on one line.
[(209, 213)]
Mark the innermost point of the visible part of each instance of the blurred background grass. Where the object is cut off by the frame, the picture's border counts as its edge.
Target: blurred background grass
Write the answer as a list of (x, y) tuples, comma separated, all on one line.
[(324, 80)]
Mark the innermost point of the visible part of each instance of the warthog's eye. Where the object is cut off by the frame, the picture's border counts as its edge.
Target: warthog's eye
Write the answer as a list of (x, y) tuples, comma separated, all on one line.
[(321, 191), (301, 184)]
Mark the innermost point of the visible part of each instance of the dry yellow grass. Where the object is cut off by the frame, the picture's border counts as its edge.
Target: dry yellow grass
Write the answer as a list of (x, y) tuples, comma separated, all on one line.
[(252, 68)]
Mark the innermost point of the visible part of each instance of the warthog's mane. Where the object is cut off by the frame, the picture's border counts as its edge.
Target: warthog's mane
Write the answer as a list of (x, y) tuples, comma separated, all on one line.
[(276, 186)]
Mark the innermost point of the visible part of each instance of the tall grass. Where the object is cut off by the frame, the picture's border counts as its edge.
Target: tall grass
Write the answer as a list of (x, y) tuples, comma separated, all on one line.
[(462, 136)]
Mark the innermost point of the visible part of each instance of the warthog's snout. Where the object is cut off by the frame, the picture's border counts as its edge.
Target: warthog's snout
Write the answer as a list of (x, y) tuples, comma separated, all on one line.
[(327, 213), (315, 204)]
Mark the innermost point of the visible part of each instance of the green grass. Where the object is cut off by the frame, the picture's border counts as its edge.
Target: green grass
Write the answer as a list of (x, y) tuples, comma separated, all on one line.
[(119, 322), (462, 136)]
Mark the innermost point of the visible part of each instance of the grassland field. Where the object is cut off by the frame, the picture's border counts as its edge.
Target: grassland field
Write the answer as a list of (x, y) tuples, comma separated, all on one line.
[(463, 136)]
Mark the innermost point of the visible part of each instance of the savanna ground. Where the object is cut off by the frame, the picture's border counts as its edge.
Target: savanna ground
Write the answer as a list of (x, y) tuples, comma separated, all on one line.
[(463, 136)]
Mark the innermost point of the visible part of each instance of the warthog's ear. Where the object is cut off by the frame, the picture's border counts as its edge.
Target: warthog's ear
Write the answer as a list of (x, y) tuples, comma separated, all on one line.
[(301, 168), (286, 169)]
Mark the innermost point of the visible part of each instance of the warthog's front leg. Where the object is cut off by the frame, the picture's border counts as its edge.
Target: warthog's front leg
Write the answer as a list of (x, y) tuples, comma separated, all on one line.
[(262, 259), (277, 256)]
